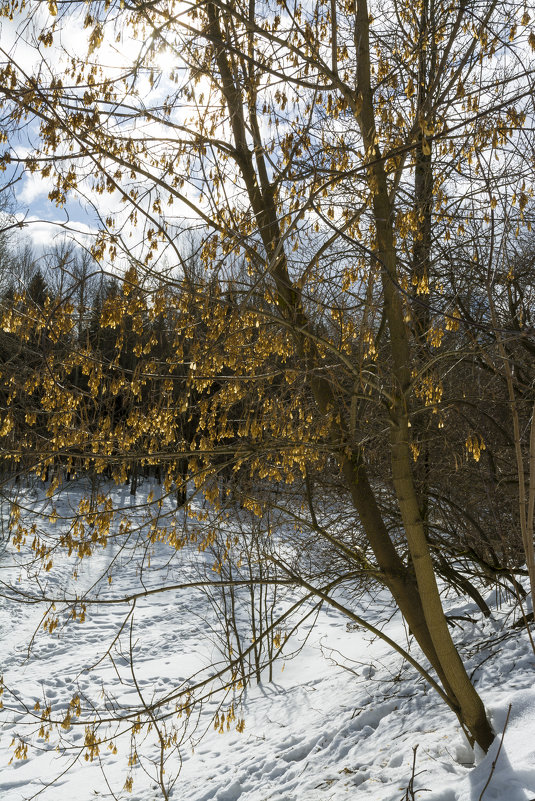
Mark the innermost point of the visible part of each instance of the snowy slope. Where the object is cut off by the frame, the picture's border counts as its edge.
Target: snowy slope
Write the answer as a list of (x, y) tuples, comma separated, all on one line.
[(342, 719)]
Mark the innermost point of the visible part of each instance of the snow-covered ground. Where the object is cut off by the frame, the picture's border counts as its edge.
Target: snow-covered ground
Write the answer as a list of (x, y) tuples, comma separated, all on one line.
[(344, 718)]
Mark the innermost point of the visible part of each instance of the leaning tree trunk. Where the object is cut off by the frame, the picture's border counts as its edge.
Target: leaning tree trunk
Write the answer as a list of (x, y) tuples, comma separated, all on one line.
[(472, 711)]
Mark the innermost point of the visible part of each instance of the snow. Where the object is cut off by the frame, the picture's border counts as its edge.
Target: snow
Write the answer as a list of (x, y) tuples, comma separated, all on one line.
[(343, 718)]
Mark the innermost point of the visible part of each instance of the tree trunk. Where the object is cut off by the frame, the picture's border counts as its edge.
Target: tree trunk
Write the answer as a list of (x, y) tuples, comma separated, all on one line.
[(472, 711), (419, 599)]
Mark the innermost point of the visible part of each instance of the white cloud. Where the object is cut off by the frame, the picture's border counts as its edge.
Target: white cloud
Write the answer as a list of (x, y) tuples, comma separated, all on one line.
[(45, 233), (34, 188)]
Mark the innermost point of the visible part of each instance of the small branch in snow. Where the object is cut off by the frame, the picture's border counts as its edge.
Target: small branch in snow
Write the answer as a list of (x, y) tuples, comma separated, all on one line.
[(495, 760)]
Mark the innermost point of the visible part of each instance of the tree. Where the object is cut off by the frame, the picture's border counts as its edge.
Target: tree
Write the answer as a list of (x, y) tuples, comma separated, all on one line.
[(335, 158)]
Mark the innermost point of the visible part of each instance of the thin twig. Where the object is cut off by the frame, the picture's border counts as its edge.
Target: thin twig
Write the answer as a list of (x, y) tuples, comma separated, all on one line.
[(495, 760)]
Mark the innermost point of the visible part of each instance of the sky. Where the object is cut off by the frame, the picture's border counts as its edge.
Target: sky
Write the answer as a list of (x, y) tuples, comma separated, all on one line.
[(43, 220)]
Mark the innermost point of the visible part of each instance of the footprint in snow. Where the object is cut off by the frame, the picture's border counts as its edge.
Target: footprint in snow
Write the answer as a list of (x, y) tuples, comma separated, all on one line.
[(299, 752), (231, 793)]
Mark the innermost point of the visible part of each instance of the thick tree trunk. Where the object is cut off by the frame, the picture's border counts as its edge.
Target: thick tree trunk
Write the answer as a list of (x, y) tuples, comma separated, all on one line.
[(472, 711), (395, 574)]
